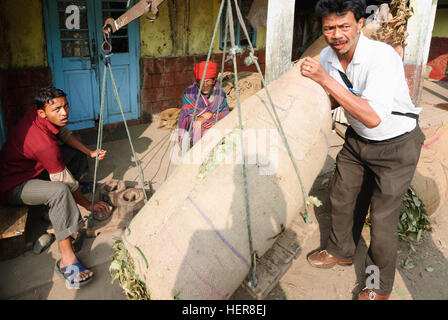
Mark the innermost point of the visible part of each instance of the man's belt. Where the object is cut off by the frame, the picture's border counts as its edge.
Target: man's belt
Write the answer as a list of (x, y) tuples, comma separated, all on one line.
[(378, 141)]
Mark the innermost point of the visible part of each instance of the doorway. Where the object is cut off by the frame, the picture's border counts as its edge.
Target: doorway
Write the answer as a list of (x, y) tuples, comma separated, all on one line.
[(74, 37)]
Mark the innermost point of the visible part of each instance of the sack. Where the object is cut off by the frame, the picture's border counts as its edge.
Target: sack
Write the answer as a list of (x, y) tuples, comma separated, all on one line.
[(258, 14), (430, 180)]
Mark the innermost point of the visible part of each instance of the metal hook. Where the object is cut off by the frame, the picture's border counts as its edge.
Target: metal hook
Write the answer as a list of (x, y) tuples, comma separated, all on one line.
[(153, 18), (106, 41)]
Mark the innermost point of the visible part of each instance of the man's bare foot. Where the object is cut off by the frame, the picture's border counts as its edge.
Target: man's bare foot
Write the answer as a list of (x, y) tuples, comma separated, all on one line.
[(69, 258), (81, 275)]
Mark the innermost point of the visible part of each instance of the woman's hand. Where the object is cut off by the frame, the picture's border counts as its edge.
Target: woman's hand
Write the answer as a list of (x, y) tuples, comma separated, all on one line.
[(205, 116), (208, 125)]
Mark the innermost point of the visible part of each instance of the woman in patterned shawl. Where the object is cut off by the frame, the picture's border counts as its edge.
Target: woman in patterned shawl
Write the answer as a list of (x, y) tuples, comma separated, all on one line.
[(212, 104)]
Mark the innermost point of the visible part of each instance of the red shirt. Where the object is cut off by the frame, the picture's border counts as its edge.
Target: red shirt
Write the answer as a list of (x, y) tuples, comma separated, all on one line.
[(31, 148)]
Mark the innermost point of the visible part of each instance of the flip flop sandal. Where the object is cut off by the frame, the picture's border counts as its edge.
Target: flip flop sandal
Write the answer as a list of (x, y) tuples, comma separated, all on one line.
[(70, 272), (43, 243), (78, 241)]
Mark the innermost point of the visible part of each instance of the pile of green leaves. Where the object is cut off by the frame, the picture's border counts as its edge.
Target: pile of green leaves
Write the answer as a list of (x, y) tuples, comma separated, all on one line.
[(414, 218), (123, 269), (219, 153)]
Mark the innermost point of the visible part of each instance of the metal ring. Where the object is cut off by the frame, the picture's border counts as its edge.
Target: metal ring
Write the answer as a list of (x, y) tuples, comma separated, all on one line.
[(106, 41)]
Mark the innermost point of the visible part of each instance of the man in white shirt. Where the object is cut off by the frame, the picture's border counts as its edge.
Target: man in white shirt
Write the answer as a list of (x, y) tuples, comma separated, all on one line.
[(382, 145)]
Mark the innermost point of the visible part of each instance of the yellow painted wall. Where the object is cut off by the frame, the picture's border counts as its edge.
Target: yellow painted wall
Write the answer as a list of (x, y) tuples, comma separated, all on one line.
[(156, 39), (204, 34), (203, 16), (441, 24), (23, 34)]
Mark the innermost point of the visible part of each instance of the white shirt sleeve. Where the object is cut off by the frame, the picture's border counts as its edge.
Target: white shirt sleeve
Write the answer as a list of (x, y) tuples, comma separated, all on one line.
[(381, 84), (65, 177)]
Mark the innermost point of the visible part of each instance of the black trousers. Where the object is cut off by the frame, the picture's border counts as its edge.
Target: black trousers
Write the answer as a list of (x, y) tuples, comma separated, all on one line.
[(375, 174)]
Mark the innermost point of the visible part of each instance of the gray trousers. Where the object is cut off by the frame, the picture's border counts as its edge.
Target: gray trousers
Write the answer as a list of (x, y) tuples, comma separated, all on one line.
[(62, 208), (375, 174)]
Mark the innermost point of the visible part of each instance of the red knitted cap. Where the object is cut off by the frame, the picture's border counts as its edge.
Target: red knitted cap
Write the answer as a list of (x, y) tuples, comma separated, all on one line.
[(211, 70)]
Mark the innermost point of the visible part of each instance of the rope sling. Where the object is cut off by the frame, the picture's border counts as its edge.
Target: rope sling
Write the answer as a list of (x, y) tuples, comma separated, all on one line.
[(251, 59), (107, 66)]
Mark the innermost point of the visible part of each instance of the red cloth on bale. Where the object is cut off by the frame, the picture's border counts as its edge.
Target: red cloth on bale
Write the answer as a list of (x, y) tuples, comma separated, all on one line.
[(211, 70)]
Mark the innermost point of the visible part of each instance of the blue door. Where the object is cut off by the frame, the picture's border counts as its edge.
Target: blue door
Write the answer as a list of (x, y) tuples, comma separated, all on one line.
[(74, 38)]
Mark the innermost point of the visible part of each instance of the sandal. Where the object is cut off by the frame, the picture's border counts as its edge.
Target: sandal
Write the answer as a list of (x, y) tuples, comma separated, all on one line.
[(78, 241), (43, 243), (70, 272)]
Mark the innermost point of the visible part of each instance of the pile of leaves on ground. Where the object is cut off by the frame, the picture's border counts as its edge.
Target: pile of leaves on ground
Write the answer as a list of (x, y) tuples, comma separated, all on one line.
[(413, 219), (122, 269)]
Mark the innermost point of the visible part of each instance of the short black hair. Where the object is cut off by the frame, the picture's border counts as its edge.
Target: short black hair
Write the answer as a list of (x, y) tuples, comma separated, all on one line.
[(341, 7), (47, 94)]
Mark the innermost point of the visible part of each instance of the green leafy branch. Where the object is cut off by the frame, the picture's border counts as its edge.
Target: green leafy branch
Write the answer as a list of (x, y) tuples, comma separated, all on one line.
[(413, 218), (122, 269)]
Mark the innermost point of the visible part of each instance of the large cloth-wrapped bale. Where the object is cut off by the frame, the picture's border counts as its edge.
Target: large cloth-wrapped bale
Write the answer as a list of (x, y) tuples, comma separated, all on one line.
[(191, 239), (430, 181)]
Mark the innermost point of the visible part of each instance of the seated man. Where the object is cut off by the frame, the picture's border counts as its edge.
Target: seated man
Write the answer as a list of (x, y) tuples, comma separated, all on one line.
[(31, 156), (212, 105)]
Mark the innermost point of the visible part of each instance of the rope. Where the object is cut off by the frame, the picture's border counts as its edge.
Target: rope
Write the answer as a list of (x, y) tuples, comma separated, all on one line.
[(193, 118), (107, 65), (252, 277), (98, 144), (136, 160), (277, 121), (226, 30)]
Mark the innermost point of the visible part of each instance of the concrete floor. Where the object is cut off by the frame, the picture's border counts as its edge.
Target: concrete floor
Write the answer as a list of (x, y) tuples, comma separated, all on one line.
[(33, 277)]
